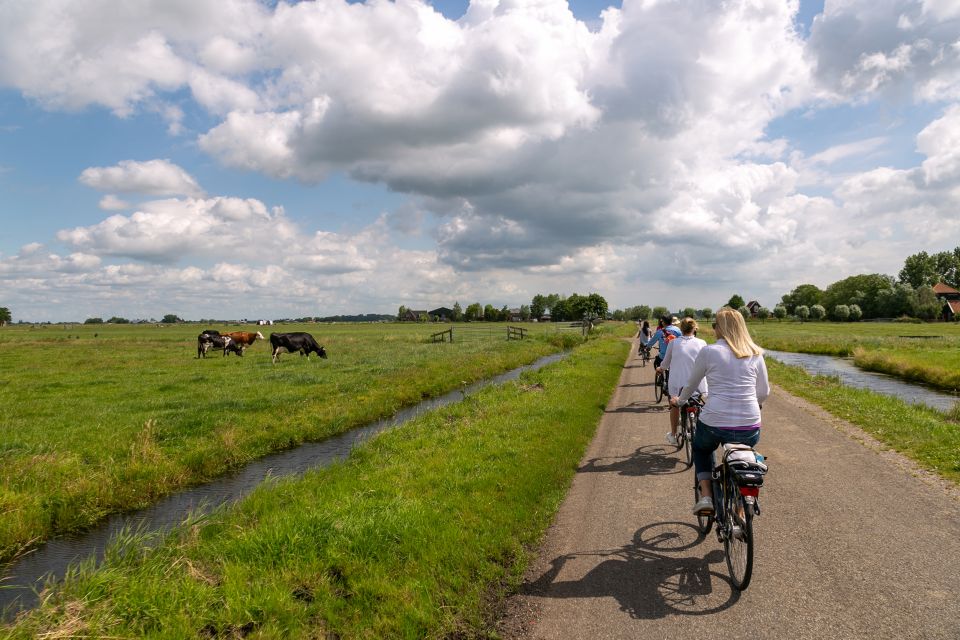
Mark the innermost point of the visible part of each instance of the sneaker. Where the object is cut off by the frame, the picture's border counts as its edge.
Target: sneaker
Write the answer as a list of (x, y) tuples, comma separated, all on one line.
[(704, 507), (672, 439), (737, 533)]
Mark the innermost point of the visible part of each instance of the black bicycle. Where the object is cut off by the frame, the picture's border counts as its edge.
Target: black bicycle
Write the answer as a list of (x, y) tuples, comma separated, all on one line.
[(660, 385), (644, 355), (736, 496), (689, 414)]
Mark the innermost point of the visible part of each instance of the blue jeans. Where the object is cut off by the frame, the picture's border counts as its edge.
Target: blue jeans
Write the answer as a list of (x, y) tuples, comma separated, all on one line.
[(708, 438)]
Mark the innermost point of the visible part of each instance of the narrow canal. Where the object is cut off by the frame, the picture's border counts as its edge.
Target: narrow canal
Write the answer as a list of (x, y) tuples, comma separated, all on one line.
[(850, 375), (22, 580)]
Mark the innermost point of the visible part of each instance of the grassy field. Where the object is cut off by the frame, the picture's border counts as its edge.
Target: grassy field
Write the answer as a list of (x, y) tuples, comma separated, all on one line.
[(98, 419), (415, 535), (925, 353)]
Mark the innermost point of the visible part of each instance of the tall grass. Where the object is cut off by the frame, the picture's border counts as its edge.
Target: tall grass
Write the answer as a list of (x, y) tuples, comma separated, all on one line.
[(411, 537), (101, 419)]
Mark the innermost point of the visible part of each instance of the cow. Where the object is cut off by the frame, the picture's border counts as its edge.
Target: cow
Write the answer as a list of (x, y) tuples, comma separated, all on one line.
[(296, 341), (244, 338), (207, 341)]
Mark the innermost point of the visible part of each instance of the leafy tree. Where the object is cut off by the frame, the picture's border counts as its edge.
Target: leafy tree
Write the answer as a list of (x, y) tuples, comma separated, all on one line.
[(423, 317), (803, 312), (779, 312), (927, 305), (818, 312), (841, 313), (116, 320), (864, 290), (93, 321), (948, 267), (763, 313), (490, 313), (706, 313), (855, 313), (524, 312), (806, 294), (619, 314), (561, 311), (659, 312), (745, 312), (171, 319), (5, 316), (457, 312), (898, 300), (736, 301), (591, 306), (504, 314), (689, 312), (918, 270), (402, 313), (643, 312), (474, 312), (537, 306)]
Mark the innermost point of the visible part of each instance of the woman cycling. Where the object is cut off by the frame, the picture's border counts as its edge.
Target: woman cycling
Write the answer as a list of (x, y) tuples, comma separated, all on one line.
[(681, 354), (737, 377)]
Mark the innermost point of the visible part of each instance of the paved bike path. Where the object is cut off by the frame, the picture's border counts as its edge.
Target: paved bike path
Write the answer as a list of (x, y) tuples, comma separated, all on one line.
[(853, 542)]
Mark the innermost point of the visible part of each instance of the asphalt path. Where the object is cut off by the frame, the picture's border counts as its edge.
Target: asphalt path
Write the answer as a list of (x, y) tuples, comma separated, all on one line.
[(854, 541)]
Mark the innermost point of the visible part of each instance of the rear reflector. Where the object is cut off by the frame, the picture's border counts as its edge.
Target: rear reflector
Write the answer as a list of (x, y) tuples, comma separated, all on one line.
[(750, 491)]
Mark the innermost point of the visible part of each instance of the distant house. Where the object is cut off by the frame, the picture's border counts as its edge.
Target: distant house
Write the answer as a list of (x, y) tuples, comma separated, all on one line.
[(545, 316), (413, 315), (754, 307), (441, 314), (516, 315), (951, 301)]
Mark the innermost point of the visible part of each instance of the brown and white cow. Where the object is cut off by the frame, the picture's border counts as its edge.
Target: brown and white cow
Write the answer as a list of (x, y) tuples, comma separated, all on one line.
[(244, 338)]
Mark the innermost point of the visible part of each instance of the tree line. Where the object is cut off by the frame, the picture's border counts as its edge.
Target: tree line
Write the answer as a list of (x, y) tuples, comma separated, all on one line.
[(560, 308)]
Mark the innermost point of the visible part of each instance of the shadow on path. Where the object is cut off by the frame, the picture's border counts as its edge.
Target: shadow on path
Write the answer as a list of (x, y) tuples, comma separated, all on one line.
[(648, 460), (640, 407), (647, 577)]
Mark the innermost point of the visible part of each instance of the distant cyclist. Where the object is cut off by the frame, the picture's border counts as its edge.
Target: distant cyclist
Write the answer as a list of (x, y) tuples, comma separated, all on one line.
[(737, 375), (644, 335), (679, 359), (665, 333)]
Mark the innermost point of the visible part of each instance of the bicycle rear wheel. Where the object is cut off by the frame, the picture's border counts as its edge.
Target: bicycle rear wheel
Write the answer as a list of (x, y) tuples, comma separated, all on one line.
[(738, 543), (658, 387), (704, 523)]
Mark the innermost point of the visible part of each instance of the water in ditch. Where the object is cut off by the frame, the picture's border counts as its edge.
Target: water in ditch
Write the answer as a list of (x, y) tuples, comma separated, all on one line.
[(22, 580), (852, 376)]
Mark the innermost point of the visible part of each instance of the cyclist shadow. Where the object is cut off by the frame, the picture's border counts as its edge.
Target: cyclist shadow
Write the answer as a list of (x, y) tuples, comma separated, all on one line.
[(636, 384), (648, 460), (646, 577), (640, 407)]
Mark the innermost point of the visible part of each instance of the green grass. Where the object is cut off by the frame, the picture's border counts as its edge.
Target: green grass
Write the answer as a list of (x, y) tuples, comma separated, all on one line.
[(925, 353), (413, 536), (99, 419), (925, 435)]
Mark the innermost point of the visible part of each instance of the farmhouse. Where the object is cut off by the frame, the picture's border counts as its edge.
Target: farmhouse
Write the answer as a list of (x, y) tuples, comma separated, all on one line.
[(951, 301), (516, 315), (414, 315), (754, 307)]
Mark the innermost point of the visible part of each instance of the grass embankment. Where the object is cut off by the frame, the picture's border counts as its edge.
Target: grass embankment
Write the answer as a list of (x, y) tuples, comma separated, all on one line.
[(924, 353), (412, 536), (100, 419), (925, 435)]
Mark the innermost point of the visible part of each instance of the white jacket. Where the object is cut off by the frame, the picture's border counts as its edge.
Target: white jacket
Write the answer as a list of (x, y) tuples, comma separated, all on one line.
[(681, 352), (737, 386)]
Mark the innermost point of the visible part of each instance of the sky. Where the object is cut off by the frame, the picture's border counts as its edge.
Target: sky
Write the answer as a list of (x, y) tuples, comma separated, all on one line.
[(254, 159)]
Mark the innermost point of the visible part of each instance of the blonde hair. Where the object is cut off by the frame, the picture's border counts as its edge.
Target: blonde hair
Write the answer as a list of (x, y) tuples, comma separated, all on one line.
[(731, 326), (688, 325)]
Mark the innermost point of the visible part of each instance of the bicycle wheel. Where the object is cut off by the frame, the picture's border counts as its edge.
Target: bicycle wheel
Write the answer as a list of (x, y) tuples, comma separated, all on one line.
[(686, 427), (704, 523), (658, 387), (738, 542)]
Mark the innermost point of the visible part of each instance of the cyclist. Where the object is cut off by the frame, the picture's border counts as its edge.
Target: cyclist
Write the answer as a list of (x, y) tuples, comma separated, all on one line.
[(679, 363), (665, 333), (737, 378), (645, 333)]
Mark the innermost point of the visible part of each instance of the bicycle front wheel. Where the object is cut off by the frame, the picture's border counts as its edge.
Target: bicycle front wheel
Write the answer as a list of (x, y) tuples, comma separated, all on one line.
[(686, 427), (738, 543), (704, 523), (658, 387)]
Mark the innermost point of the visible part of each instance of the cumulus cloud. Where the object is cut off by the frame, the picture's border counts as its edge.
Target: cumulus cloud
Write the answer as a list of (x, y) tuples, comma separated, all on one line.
[(153, 177)]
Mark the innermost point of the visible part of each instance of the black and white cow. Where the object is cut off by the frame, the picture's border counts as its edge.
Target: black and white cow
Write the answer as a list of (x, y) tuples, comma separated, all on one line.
[(296, 341), (207, 341)]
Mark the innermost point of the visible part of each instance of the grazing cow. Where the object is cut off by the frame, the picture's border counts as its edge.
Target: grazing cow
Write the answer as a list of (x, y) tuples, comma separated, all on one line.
[(296, 341), (207, 341), (244, 338)]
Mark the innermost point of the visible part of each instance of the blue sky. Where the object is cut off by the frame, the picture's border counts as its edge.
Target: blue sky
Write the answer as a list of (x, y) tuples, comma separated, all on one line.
[(410, 158)]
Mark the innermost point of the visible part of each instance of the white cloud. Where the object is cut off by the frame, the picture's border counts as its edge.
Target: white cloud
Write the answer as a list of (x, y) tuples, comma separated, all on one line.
[(111, 202), (153, 177)]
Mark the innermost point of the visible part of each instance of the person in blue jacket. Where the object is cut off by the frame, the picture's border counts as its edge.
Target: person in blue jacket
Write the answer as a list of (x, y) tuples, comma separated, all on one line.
[(665, 328)]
